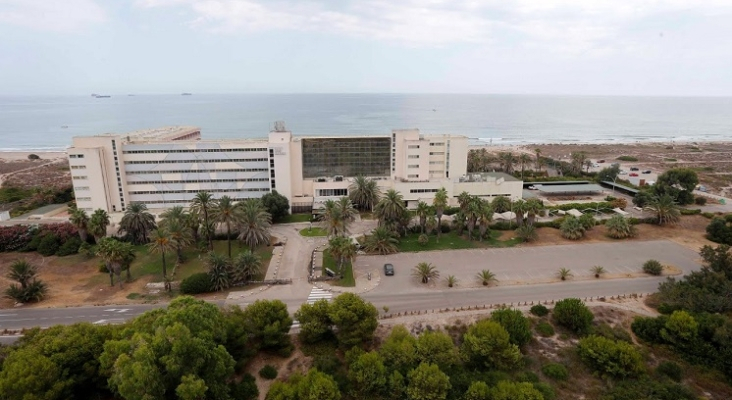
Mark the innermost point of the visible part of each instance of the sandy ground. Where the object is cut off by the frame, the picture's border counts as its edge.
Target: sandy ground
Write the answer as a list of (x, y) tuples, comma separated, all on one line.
[(23, 155)]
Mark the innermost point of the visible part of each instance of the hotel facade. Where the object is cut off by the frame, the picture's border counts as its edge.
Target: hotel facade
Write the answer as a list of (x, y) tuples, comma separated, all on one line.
[(166, 167)]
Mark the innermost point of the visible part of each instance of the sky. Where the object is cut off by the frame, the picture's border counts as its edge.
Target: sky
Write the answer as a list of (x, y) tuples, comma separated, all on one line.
[(576, 47)]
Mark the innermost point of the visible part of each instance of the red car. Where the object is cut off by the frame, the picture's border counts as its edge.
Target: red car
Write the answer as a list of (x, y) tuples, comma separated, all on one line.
[(633, 174)]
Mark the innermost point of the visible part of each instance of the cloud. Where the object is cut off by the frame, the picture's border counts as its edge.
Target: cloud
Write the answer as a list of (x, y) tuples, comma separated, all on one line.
[(51, 15), (564, 26)]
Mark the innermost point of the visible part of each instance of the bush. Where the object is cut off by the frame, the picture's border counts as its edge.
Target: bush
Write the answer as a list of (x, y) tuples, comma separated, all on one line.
[(649, 389), (48, 245), (555, 371), (86, 250), (700, 201), (627, 158), (708, 215), (609, 357), (689, 211), (539, 310), (649, 329), (720, 231), (69, 247), (615, 333), (574, 315), (246, 389), (517, 326), (196, 283), (670, 369), (546, 390), (451, 211), (527, 233), (652, 267), (268, 372), (545, 329), (14, 238), (445, 227), (33, 157), (423, 239)]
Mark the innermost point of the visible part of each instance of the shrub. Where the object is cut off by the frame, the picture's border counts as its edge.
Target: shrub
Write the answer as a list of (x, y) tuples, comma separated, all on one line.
[(574, 315), (700, 201), (527, 233), (555, 371), (48, 245), (649, 329), (517, 326), (423, 239), (615, 333), (14, 238), (708, 215), (652, 267), (69, 247), (546, 390), (33, 157), (689, 211), (539, 310), (670, 369), (445, 227), (649, 389), (246, 389), (720, 231), (268, 372), (545, 329), (196, 283), (609, 357), (627, 158), (86, 250)]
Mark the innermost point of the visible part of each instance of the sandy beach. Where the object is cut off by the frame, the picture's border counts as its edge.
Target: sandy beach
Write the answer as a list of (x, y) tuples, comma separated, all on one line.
[(23, 155)]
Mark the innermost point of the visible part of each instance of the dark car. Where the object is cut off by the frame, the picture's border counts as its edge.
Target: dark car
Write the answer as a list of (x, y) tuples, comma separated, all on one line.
[(634, 169), (647, 171), (388, 269)]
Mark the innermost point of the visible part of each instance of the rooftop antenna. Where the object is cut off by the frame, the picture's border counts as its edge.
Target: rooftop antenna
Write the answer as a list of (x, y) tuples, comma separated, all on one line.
[(279, 126)]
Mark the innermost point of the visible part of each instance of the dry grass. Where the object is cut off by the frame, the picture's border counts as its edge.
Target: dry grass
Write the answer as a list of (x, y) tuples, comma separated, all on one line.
[(55, 175)]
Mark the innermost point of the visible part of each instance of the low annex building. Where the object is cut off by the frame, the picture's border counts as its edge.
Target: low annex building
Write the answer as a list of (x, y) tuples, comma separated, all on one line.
[(166, 167)]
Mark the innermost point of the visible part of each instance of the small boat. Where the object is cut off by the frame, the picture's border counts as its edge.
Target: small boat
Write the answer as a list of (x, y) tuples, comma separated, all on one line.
[(64, 126), (186, 94), (102, 96)]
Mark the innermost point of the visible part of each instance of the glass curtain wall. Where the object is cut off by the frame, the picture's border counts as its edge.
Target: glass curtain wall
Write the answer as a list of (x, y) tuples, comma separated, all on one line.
[(325, 157)]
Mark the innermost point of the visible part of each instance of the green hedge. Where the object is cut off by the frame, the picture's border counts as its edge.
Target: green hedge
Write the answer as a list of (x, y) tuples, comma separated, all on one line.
[(688, 211), (627, 158), (196, 283), (584, 206)]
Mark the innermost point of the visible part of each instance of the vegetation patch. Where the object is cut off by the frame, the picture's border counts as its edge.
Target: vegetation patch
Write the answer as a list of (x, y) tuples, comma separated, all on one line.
[(627, 158), (293, 218), (314, 231)]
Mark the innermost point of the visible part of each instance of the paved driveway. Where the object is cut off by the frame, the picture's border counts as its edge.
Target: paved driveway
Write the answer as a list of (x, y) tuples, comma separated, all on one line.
[(528, 264)]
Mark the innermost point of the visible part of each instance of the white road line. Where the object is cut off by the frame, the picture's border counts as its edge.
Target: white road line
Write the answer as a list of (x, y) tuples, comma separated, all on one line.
[(317, 294)]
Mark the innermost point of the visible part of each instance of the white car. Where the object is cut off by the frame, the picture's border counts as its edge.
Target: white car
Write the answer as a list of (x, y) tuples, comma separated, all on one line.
[(622, 173)]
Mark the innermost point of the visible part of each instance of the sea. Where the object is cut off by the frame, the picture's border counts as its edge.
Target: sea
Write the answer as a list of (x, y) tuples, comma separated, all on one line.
[(48, 123)]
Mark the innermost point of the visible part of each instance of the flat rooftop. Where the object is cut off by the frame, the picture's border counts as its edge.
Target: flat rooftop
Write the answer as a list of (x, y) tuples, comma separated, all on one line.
[(577, 188), (163, 133), (487, 177)]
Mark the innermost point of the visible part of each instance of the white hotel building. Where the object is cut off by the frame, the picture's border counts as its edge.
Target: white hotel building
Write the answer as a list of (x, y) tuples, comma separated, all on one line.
[(168, 166)]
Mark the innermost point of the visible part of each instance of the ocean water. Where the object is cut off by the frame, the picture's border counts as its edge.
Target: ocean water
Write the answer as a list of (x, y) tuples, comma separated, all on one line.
[(48, 123)]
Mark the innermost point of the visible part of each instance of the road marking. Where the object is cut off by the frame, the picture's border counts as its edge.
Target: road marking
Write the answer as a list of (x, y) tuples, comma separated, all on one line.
[(317, 294), (8, 315), (118, 310)]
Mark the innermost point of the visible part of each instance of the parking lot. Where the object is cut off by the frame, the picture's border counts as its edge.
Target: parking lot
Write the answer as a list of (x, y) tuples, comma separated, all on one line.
[(523, 265)]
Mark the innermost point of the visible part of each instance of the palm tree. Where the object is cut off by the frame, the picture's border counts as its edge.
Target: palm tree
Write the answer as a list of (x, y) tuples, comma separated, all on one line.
[(431, 223), (175, 212), (460, 222), (180, 234), (390, 208), (201, 205), (619, 227), (572, 228), (588, 165), (524, 160), (440, 203), (464, 200), (538, 161), (189, 221), (30, 289), (541, 162), (115, 254), (486, 276), (473, 211), (578, 161), (422, 211), (425, 271), (533, 208), (161, 242), (501, 204), (22, 272), (485, 216), (564, 273), (137, 222), (364, 193), (507, 161), (598, 270), (666, 210), (227, 213), (330, 218), (348, 214), (520, 208), (219, 270), (255, 223), (527, 233), (98, 224), (246, 265), (381, 241), (81, 221), (451, 280), (341, 248)]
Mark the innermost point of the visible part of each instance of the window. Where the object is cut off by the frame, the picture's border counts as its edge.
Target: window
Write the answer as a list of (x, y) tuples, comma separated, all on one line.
[(196, 181), (195, 161), (413, 156), (423, 190), (345, 156), (78, 167), (83, 199), (333, 192), (196, 171), (198, 190), (191, 151), (437, 144), (413, 146), (413, 176), (437, 153), (76, 156), (78, 188), (80, 177), (436, 162), (413, 166)]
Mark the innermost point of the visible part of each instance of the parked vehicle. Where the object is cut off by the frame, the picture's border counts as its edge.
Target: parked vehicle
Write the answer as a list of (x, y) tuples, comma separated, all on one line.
[(388, 269), (622, 173), (600, 161), (648, 171), (634, 169), (633, 174)]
